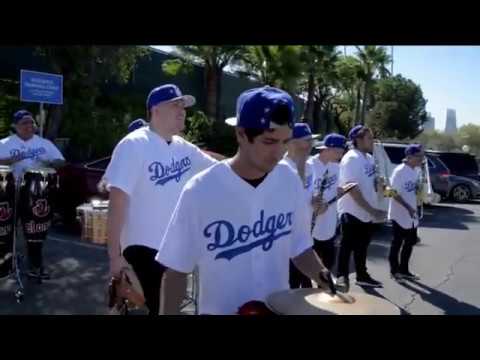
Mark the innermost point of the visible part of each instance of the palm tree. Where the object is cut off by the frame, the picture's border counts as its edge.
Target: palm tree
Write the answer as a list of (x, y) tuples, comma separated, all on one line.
[(374, 61), (214, 59), (273, 65)]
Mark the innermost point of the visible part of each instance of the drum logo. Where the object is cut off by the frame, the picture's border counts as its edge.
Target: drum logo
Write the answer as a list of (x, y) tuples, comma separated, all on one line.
[(5, 211), (41, 208)]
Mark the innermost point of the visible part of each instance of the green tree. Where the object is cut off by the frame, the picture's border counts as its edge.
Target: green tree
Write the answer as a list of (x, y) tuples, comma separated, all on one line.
[(374, 61), (86, 69), (399, 109), (214, 59), (275, 65), (469, 135)]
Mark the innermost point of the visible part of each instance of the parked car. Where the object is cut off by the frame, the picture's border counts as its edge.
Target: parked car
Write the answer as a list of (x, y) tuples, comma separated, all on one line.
[(459, 164), (460, 188), (78, 185)]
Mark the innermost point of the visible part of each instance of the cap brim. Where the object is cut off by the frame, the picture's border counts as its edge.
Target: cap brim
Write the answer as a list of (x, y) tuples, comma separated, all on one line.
[(231, 121), (188, 100)]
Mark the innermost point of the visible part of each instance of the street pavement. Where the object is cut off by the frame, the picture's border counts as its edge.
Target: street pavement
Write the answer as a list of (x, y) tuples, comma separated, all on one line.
[(447, 259)]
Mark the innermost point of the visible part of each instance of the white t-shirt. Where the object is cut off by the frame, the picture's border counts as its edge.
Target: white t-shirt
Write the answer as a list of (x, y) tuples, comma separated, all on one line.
[(152, 173), (32, 151), (359, 168), (326, 223), (309, 175), (404, 180), (240, 237)]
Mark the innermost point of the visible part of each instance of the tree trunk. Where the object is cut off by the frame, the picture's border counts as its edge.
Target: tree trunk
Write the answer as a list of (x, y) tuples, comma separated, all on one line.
[(54, 122), (357, 106), (316, 116), (308, 113), (364, 103), (219, 116), (211, 92)]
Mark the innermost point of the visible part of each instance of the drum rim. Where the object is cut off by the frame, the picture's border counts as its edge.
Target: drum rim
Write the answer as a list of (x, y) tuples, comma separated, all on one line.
[(45, 170)]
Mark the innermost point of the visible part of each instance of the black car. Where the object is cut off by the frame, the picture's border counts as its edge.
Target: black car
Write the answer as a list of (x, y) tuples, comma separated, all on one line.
[(459, 164)]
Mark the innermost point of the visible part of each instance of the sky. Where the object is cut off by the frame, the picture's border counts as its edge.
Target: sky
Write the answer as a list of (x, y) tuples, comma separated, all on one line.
[(448, 75)]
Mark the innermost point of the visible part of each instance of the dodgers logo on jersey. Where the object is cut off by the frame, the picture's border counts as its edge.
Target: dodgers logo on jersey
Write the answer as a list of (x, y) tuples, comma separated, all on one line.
[(329, 182), (5, 211), (369, 170), (410, 186), (162, 174), (235, 242), (31, 153)]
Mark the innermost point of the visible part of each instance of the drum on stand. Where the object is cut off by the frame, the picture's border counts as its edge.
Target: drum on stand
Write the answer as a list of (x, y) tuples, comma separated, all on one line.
[(7, 220), (319, 302)]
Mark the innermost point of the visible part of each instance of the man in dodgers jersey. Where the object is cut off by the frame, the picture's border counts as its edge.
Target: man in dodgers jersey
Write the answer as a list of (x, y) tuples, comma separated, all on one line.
[(242, 220), (299, 149), (357, 209), (326, 176), (402, 212), (146, 174), (22, 151)]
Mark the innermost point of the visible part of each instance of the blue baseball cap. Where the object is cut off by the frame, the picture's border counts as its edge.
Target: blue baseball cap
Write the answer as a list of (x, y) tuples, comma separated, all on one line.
[(167, 93), (334, 140), (301, 131), (256, 106), (354, 131), (136, 124), (20, 114), (413, 149)]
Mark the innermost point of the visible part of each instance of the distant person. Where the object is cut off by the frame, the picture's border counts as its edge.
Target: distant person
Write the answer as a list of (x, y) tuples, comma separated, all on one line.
[(403, 213)]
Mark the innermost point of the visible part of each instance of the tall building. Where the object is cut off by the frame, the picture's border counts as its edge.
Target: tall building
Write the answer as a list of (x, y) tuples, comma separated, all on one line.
[(451, 124), (429, 125)]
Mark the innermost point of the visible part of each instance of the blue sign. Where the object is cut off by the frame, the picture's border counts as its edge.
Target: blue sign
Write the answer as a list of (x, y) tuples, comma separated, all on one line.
[(41, 87)]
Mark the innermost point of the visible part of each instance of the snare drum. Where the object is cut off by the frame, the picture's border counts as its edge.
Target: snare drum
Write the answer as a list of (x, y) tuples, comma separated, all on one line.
[(37, 193), (319, 302), (7, 219)]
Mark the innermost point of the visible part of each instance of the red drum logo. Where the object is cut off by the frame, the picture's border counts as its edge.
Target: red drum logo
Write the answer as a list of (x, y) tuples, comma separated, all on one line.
[(41, 208), (5, 211)]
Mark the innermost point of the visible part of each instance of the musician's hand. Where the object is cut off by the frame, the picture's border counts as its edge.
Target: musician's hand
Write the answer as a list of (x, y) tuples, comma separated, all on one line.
[(340, 191), (412, 212), (116, 265), (323, 279)]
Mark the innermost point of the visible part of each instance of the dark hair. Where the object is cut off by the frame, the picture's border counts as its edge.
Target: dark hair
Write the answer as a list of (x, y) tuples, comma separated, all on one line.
[(361, 134), (280, 116)]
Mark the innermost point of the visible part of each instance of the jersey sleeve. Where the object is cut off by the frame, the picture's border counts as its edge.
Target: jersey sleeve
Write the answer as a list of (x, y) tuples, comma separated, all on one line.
[(179, 249), (201, 160), (52, 152), (125, 167), (349, 171)]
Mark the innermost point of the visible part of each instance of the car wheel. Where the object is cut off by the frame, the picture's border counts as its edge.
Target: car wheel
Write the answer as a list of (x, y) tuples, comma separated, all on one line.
[(461, 193)]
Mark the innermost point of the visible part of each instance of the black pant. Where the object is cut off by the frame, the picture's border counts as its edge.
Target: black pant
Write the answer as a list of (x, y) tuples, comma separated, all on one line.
[(325, 249), (149, 273), (298, 279), (407, 238), (356, 236)]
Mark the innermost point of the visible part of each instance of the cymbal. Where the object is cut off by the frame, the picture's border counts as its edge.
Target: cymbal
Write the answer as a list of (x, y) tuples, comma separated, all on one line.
[(319, 302)]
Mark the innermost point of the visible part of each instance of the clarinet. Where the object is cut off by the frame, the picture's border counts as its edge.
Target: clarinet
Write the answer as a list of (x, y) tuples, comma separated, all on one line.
[(323, 186)]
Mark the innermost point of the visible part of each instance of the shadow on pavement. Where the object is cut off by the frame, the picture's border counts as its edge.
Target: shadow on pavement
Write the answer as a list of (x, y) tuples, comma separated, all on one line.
[(448, 217), (373, 292), (448, 304)]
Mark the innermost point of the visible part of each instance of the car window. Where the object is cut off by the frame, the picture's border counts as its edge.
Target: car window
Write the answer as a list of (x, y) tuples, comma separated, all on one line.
[(460, 163), (99, 164), (431, 165), (395, 153)]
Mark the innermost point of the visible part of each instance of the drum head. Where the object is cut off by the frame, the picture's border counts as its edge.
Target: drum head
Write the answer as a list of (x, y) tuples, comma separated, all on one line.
[(319, 302), (44, 171), (5, 169)]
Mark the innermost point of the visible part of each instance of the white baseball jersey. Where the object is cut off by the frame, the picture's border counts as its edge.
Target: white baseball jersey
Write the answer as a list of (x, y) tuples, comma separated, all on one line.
[(326, 174), (240, 237), (152, 173), (358, 167), (32, 151), (404, 181)]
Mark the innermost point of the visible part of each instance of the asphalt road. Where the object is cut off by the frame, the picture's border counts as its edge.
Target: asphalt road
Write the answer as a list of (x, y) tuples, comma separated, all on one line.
[(447, 259)]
